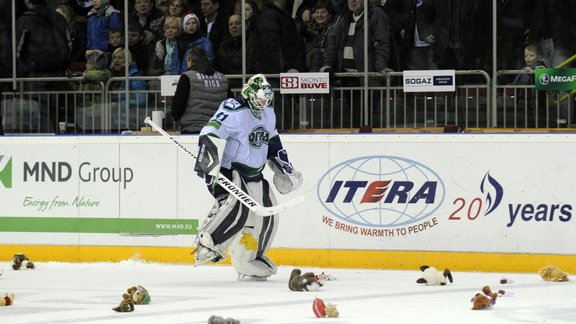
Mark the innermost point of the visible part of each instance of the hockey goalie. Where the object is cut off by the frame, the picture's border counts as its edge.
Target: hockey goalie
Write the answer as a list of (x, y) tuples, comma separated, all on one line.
[(238, 142)]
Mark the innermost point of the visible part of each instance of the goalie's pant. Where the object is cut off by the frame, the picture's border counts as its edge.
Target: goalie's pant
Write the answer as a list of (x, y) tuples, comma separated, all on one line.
[(247, 236)]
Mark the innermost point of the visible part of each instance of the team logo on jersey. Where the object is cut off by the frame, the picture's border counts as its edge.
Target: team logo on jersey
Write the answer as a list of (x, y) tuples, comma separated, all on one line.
[(258, 136)]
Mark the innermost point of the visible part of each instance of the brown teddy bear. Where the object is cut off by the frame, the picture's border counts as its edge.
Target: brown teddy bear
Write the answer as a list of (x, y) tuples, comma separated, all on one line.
[(485, 300), (7, 300), (139, 295), (553, 273), (126, 305), (305, 282)]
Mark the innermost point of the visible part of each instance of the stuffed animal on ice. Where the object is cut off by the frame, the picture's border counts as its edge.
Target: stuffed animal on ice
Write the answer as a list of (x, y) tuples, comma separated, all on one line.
[(305, 282), (433, 277), (139, 295), (19, 260), (486, 299), (126, 305), (324, 310), (7, 300), (553, 273)]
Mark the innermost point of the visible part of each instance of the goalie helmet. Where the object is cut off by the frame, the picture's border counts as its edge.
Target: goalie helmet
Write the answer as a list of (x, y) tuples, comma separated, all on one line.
[(258, 92)]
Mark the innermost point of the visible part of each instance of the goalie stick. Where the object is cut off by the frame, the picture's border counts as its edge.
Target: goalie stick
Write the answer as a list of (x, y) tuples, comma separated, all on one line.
[(229, 186)]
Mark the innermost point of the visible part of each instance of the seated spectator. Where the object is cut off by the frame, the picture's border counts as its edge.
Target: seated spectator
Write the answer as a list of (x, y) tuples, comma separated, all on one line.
[(176, 8), (168, 55), (101, 19), (193, 37), (126, 114)]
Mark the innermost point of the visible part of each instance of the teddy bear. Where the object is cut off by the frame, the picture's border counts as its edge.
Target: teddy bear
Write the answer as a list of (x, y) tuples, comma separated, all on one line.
[(19, 260), (7, 300), (486, 299), (126, 305), (433, 277), (305, 282), (324, 310), (139, 295), (553, 273)]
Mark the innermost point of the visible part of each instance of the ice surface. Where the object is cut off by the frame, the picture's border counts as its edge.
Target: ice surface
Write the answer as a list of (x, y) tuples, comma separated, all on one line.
[(85, 293)]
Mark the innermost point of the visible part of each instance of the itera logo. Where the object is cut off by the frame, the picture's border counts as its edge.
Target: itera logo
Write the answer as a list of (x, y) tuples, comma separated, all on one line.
[(6, 171)]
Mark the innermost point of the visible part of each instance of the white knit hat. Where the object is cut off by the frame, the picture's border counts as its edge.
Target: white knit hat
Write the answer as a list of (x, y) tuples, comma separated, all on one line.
[(185, 20)]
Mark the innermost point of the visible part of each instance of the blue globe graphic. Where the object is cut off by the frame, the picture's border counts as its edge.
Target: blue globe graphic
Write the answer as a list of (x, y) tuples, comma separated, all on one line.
[(380, 214)]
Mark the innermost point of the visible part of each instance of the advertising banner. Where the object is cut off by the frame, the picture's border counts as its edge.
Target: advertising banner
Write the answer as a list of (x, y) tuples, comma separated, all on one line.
[(496, 193), (429, 80), (304, 83), (555, 79)]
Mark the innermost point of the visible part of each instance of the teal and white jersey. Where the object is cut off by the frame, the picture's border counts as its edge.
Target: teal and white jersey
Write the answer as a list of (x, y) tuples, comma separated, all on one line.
[(246, 136)]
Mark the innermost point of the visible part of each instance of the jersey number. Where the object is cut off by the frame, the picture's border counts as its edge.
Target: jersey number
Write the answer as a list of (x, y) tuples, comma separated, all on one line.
[(221, 116)]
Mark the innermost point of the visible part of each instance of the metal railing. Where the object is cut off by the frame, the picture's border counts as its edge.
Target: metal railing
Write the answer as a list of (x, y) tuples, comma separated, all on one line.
[(57, 105)]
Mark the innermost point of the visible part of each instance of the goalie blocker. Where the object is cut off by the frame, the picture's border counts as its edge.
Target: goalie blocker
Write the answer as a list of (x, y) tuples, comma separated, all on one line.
[(210, 152)]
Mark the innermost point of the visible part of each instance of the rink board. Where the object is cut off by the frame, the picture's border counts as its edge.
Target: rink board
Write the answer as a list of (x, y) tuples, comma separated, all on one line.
[(486, 202)]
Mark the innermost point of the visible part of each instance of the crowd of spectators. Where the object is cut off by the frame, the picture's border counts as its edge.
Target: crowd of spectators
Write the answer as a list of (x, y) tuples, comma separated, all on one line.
[(300, 35)]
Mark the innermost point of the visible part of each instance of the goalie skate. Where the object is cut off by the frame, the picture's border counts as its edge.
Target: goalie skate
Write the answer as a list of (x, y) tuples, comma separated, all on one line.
[(204, 255), (203, 252)]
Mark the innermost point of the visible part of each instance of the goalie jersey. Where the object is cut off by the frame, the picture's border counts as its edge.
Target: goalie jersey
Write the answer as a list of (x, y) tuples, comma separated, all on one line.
[(247, 137)]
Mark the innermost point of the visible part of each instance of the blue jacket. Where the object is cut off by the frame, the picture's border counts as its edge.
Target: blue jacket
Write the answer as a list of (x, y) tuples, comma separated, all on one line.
[(137, 90), (202, 42), (99, 24)]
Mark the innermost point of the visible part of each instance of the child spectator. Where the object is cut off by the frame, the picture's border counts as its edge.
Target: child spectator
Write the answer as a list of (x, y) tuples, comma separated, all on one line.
[(97, 70), (101, 19), (168, 54), (534, 59), (192, 37), (89, 100), (126, 115), (115, 40)]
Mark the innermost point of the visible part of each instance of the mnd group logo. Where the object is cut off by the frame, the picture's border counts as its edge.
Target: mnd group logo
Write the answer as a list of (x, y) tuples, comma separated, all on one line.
[(6, 171), (381, 196)]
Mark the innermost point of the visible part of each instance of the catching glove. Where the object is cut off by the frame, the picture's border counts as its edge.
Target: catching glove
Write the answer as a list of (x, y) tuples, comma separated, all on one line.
[(286, 178)]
